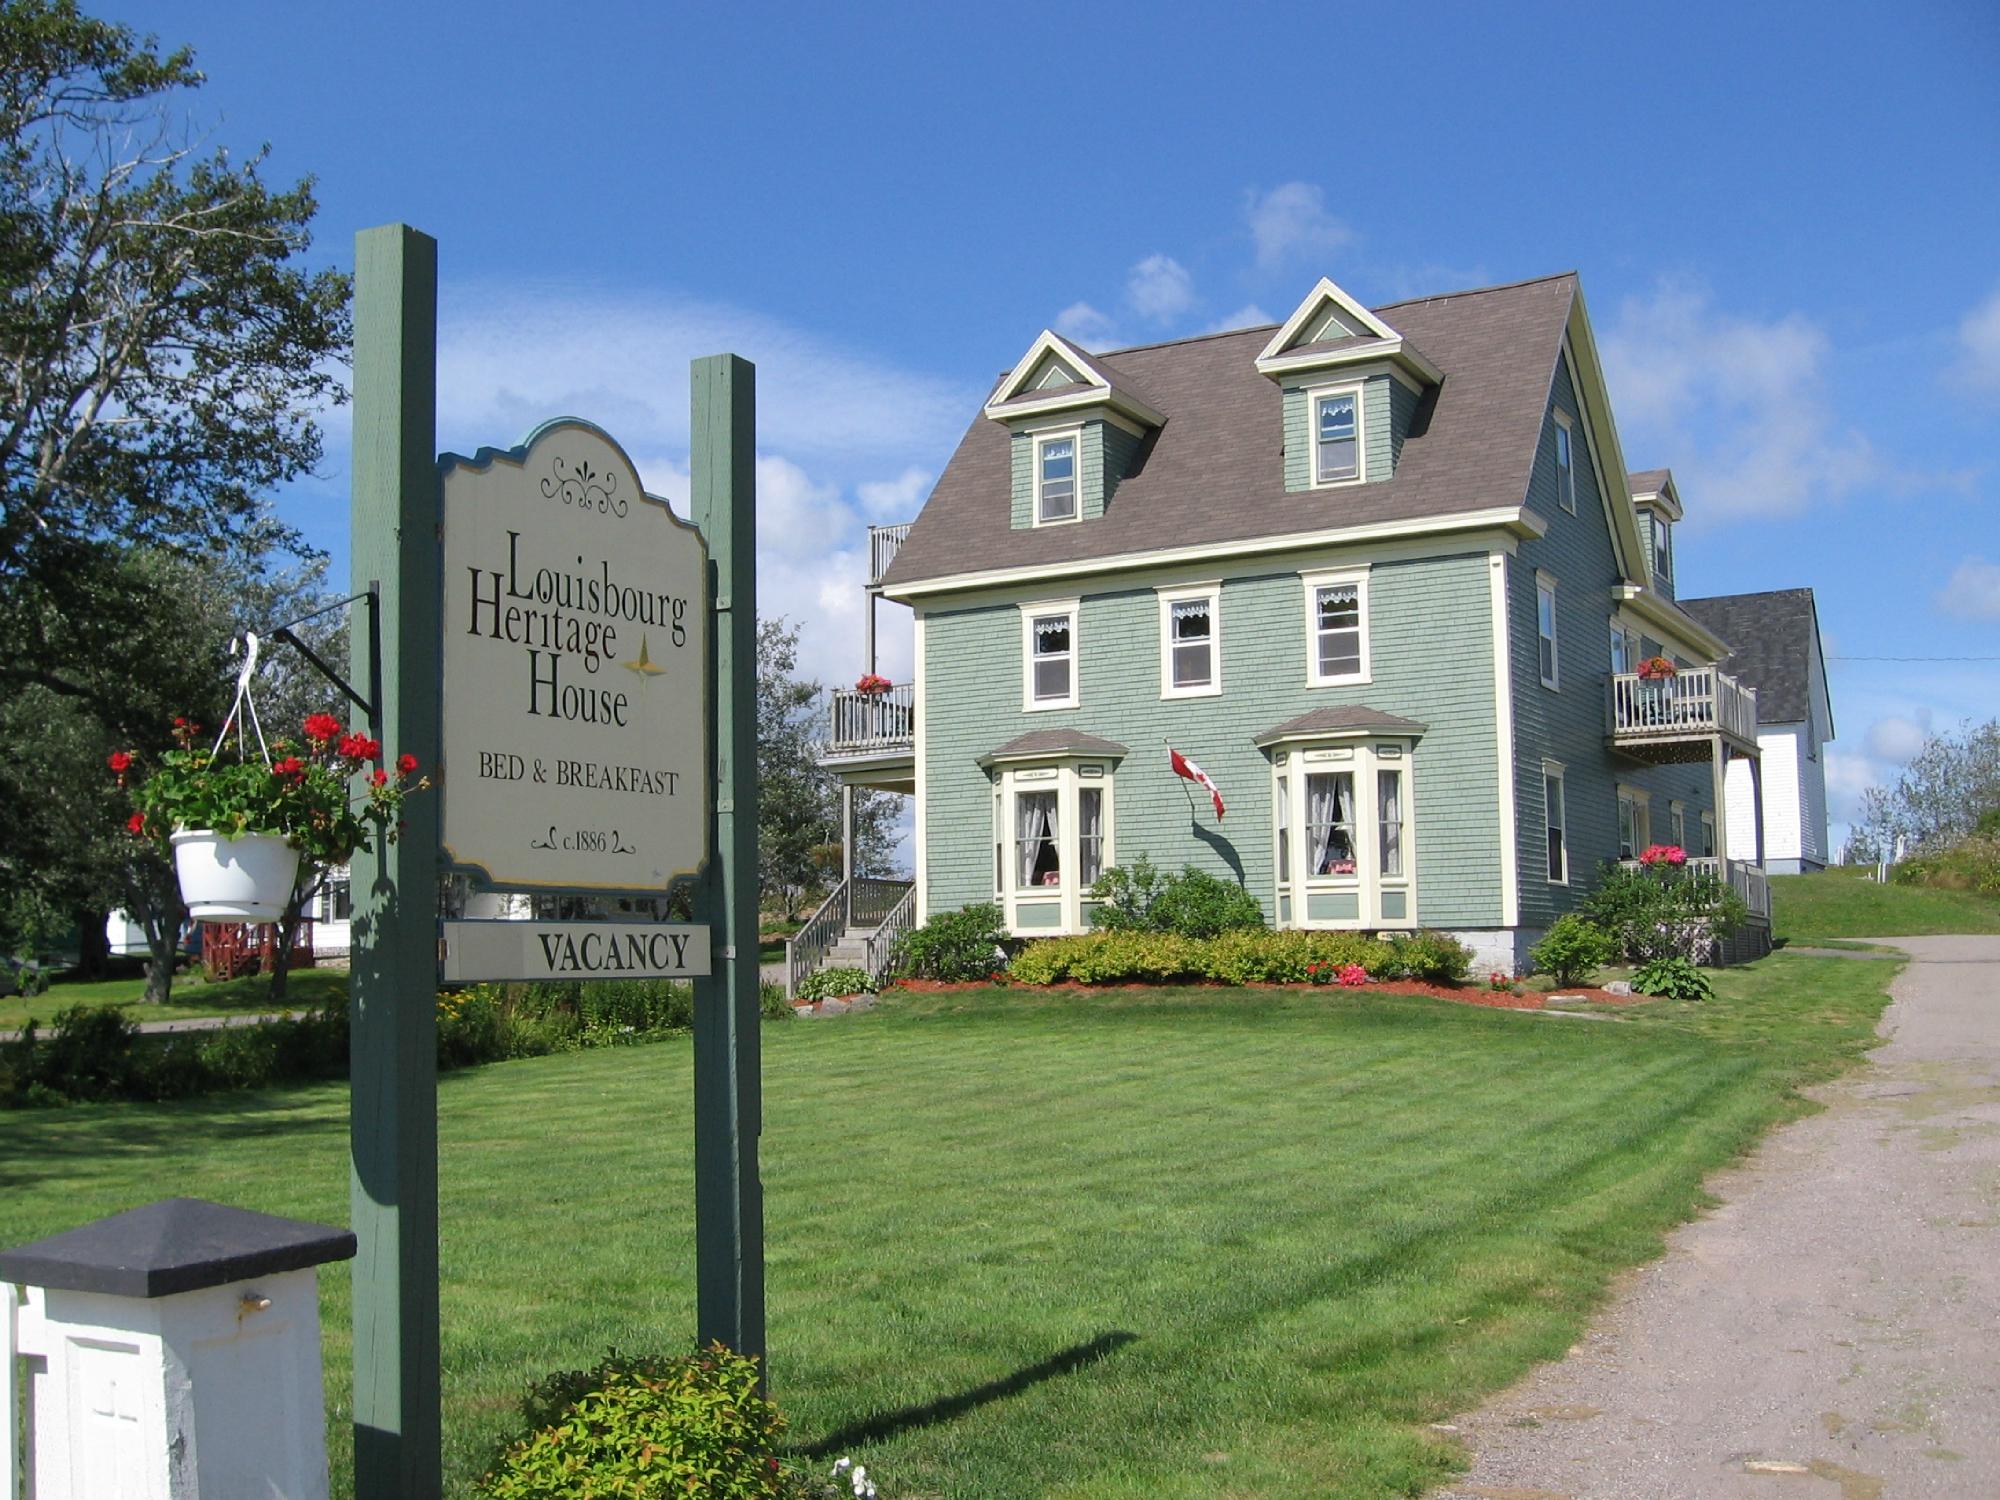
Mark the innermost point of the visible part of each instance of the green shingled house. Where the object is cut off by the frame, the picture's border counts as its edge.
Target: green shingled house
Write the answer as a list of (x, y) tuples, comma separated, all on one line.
[(1380, 572)]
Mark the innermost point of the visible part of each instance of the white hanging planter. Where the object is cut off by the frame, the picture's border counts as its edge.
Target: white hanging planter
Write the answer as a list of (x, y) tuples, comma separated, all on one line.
[(245, 879)]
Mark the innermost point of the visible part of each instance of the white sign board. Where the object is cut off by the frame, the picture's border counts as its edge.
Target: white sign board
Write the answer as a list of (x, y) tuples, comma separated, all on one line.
[(574, 950), (575, 648)]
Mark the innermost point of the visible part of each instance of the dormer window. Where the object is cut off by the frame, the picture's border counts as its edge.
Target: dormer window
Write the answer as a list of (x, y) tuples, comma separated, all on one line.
[(1663, 546), (1565, 468), (1055, 479), (1336, 437)]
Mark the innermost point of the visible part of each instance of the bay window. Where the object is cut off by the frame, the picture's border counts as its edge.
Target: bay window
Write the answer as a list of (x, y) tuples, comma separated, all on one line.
[(1052, 839), (1342, 836)]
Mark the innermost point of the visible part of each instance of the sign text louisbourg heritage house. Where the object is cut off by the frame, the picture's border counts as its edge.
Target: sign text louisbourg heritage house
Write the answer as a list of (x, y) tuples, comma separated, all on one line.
[(574, 735)]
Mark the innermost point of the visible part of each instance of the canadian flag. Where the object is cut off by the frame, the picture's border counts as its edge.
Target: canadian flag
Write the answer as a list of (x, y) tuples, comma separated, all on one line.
[(1187, 768)]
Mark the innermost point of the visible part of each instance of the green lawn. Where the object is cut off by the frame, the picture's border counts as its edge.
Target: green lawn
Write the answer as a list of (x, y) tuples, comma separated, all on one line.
[(1842, 904), (1192, 1243), (191, 997)]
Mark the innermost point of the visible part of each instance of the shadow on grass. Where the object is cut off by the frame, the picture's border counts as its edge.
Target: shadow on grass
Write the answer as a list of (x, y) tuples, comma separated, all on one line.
[(945, 1408)]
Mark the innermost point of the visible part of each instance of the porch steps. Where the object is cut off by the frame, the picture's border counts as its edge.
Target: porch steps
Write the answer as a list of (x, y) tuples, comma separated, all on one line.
[(849, 950)]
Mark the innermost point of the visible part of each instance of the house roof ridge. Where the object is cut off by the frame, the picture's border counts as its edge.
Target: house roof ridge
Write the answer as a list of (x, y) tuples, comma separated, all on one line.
[(1801, 588), (1480, 291), (1192, 338)]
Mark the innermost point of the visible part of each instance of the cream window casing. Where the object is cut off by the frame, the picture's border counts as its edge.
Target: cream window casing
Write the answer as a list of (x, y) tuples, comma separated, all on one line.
[(1707, 850), (1677, 824), (1040, 656), (1047, 492), (1635, 821), (1315, 394), (1548, 654), (1555, 822), (1337, 651), (1344, 835), (1076, 796), (1180, 654), (1565, 464)]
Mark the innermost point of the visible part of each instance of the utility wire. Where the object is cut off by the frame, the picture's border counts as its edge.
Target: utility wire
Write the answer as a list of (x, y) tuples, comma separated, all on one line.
[(1913, 658)]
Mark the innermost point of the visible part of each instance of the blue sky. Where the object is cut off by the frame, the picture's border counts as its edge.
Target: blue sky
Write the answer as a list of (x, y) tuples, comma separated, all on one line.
[(1785, 217)]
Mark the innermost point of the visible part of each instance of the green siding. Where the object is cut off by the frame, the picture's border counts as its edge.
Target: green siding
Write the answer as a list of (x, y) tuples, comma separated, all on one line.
[(1103, 456), (1568, 724), (1386, 408), (1431, 646)]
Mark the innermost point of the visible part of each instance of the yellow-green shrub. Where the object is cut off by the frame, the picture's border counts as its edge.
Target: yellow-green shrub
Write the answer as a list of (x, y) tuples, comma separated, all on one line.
[(1247, 956)]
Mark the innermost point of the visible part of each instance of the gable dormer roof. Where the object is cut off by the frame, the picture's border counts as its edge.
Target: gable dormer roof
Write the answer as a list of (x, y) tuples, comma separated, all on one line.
[(1655, 487), (1330, 329), (1056, 376)]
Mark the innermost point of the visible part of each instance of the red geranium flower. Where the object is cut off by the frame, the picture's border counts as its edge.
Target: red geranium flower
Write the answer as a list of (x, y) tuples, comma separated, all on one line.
[(121, 760), (359, 747), (380, 778), (136, 824), (406, 763), (291, 765), (322, 727)]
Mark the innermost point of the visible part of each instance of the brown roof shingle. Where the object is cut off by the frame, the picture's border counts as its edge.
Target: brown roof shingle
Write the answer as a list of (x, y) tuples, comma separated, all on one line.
[(1215, 472)]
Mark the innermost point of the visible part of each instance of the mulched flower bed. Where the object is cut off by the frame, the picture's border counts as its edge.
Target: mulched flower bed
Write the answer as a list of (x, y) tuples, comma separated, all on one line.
[(1465, 994)]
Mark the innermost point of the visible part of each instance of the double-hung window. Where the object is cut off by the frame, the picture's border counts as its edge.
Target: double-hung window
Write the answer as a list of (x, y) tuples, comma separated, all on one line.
[(1635, 819), (1663, 547), (1336, 420), (1708, 835), (1565, 467), (1336, 628), (1677, 824), (1556, 816), (1048, 649), (1191, 641), (1055, 478), (1545, 627)]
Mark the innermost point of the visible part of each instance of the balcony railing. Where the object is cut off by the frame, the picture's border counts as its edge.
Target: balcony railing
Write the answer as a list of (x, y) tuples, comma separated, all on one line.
[(865, 723), (884, 542), (1747, 880), (1695, 701)]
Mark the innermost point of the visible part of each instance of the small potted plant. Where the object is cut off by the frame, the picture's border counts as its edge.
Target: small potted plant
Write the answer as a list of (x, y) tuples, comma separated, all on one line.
[(869, 685), (1657, 669), (239, 828)]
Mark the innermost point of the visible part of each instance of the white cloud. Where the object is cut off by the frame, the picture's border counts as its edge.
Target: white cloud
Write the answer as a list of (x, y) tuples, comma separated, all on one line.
[(1979, 346), (1848, 776), (1290, 223), (1973, 591), (1085, 324), (894, 500), (1897, 739), (1160, 288), (1737, 407), (1250, 315)]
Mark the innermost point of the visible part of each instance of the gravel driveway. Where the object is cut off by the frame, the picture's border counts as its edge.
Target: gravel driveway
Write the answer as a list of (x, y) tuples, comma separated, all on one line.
[(1833, 1329)]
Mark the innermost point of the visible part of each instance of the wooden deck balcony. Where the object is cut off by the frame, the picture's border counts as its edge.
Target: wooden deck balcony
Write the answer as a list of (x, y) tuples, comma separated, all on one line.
[(873, 738), (884, 542), (1673, 719)]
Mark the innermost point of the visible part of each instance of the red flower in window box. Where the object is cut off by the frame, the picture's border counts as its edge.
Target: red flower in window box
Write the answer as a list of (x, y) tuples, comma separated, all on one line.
[(871, 686), (1656, 669)]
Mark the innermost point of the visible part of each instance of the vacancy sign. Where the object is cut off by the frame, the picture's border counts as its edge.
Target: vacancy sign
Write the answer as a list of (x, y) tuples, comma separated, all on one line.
[(575, 647)]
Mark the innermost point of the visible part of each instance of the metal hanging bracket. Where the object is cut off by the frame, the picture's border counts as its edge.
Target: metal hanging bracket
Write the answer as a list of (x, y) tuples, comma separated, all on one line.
[(372, 597)]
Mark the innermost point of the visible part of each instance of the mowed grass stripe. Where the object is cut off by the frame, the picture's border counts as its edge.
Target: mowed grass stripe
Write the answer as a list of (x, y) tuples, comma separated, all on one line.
[(1286, 1230)]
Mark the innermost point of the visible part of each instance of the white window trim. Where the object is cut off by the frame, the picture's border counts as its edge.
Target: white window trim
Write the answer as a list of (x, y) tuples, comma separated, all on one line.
[(1553, 770), (1362, 758), (1065, 777), (1708, 835), (1546, 584), (1181, 594), (1359, 390), (1334, 577), (1568, 430), (1038, 441), (1642, 811), (1677, 814), (1663, 546), (1029, 612)]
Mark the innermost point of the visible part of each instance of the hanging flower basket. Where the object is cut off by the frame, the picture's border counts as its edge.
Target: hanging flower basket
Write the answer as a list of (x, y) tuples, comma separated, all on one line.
[(1657, 669), (871, 686), (244, 879), (239, 829)]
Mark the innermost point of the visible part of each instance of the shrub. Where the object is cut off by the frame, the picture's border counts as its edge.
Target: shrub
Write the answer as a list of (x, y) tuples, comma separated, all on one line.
[(1663, 910), (635, 1426), (1193, 903), (1238, 957), (1972, 864), (1432, 957), (830, 984), (1673, 978), (772, 1004), (89, 1053), (1573, 950), (969, 943)]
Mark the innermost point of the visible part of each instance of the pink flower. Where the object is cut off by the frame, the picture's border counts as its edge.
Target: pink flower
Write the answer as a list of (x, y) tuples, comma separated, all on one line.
[(1353, 976)]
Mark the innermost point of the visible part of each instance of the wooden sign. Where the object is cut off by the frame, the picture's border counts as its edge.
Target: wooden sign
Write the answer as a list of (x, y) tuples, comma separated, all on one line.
[(576, 622), (573, 950)]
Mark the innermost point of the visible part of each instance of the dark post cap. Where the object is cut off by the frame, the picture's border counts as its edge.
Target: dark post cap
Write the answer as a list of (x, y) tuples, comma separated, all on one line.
[(175, 1245)]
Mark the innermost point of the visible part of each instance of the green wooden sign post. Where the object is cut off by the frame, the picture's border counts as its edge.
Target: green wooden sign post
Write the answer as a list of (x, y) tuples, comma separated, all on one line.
[(397, 517), (393, 982), (728, 1086)]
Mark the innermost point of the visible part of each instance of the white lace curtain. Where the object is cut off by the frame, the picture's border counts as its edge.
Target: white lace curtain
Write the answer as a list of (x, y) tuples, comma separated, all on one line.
[(1329, 821), (1034, 830)]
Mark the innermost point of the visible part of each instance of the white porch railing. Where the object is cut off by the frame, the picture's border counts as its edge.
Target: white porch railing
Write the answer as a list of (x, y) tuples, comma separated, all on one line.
[(874, 721), (884, 542), (1696, 700)]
